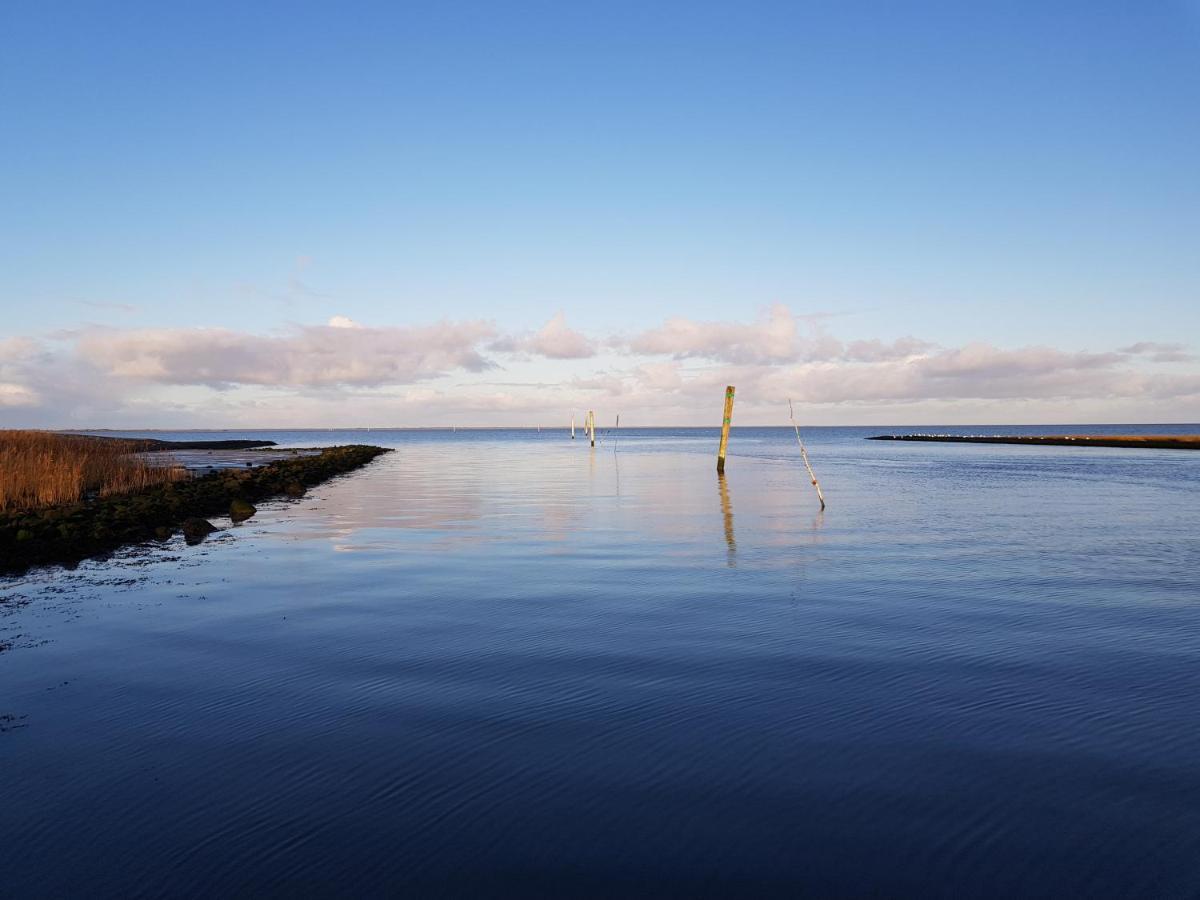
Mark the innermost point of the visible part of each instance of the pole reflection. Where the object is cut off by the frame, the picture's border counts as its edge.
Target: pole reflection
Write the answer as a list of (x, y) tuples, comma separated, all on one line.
[(727, 516)]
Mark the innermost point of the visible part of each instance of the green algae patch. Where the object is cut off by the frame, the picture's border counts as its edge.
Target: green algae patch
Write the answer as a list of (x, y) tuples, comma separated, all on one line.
[(67, 534)]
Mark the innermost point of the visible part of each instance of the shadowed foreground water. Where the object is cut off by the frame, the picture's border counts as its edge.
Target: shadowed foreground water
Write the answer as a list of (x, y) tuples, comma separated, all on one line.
[(499, 662)]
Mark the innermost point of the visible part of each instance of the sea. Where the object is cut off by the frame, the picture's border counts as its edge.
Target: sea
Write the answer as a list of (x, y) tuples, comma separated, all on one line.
[(508, 663)]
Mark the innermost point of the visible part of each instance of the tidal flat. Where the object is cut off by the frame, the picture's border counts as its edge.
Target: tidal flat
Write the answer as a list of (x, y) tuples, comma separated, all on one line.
[(499, 662)]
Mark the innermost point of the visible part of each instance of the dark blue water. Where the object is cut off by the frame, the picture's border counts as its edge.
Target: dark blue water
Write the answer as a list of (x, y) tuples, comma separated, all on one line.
[(501, 662)]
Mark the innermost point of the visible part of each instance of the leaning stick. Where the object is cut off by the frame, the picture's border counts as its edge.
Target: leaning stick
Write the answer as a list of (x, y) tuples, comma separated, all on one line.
[(615, 430), (804, 455)]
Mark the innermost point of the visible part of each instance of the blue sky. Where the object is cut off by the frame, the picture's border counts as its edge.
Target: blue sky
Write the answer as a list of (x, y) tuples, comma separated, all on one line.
[(1014, 186)]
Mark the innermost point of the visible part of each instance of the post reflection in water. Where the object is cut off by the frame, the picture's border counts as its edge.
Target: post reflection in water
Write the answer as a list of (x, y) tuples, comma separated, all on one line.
[(727, 515)]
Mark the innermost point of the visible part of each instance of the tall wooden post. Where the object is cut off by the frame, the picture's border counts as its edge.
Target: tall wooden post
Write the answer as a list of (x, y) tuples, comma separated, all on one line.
[(725, 429), (592, 427)]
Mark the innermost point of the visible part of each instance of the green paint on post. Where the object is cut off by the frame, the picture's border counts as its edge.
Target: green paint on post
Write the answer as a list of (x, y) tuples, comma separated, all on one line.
[(725, 422)]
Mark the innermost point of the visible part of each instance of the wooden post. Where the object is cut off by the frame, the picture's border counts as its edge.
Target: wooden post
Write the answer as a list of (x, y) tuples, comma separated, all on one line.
[(591, 426), (572, 427), (725, 430)]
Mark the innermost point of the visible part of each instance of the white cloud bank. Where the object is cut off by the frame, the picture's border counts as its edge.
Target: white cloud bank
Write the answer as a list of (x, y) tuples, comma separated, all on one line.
[(773, 339), (345, 372), (17, 395), (340, 353), (554, 340)]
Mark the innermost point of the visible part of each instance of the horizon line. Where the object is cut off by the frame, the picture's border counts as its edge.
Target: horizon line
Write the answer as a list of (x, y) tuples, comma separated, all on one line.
[(536, 428)]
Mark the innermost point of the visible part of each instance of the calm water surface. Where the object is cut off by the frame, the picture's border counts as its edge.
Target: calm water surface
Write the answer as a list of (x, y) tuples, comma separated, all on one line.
[(501, 662)]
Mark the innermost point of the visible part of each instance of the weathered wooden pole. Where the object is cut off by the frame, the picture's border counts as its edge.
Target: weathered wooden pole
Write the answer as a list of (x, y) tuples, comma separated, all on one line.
[(725, 429), (572, 427), (591, 426)]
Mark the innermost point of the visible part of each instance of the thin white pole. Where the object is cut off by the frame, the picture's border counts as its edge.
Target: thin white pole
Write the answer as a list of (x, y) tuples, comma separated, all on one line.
[(804, 455)]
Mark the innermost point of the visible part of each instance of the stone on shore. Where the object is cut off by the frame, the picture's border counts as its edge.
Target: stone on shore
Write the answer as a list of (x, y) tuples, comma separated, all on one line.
[(241, 510), (196, 529)]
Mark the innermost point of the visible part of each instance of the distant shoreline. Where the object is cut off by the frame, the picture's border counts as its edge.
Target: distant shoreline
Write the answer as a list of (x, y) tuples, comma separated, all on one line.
[(1148, 441), (154, 445)]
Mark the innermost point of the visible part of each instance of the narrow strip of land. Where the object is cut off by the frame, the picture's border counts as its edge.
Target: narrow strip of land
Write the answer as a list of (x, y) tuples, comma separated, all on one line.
[(69, 533), (152, 445), (1144, 441)]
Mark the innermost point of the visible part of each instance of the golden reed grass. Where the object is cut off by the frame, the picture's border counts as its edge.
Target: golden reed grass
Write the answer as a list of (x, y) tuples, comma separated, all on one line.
[(41, 468)]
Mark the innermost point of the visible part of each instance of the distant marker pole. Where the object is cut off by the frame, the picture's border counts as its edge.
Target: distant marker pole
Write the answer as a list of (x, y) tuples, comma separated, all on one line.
[(572, 427), (591, 426), (725, 429), (804, 455), (615, 430)]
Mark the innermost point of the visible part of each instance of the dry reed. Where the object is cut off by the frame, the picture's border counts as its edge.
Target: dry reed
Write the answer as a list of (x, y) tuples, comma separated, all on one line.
[(41, 468)]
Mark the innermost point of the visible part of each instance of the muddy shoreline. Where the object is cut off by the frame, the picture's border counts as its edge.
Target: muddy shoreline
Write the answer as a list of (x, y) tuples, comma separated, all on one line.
[(68, 534)]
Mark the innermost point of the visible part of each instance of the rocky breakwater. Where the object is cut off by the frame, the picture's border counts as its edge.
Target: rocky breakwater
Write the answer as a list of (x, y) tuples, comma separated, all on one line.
[(68, 534)]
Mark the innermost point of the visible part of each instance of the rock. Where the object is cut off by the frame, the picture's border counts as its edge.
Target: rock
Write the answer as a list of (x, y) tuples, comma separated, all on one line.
[(163, 533), (295, 489), (196, 529), (24, 535), (240, 510)]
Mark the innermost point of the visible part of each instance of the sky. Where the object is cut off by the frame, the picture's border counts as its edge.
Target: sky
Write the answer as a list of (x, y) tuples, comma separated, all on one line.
[(504, 213)]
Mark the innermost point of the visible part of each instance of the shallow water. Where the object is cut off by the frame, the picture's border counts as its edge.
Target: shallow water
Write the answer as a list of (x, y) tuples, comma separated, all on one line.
[(498, 662)]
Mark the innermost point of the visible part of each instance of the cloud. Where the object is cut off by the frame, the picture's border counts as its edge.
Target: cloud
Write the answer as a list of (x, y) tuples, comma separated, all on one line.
[(875, 350), (666, 376), (977, 372), (345, 372), (554, 340), (341, 353), (775, 339), (16, 349), (903, 372), (17, 395), (772, 339), (1156, 352)]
